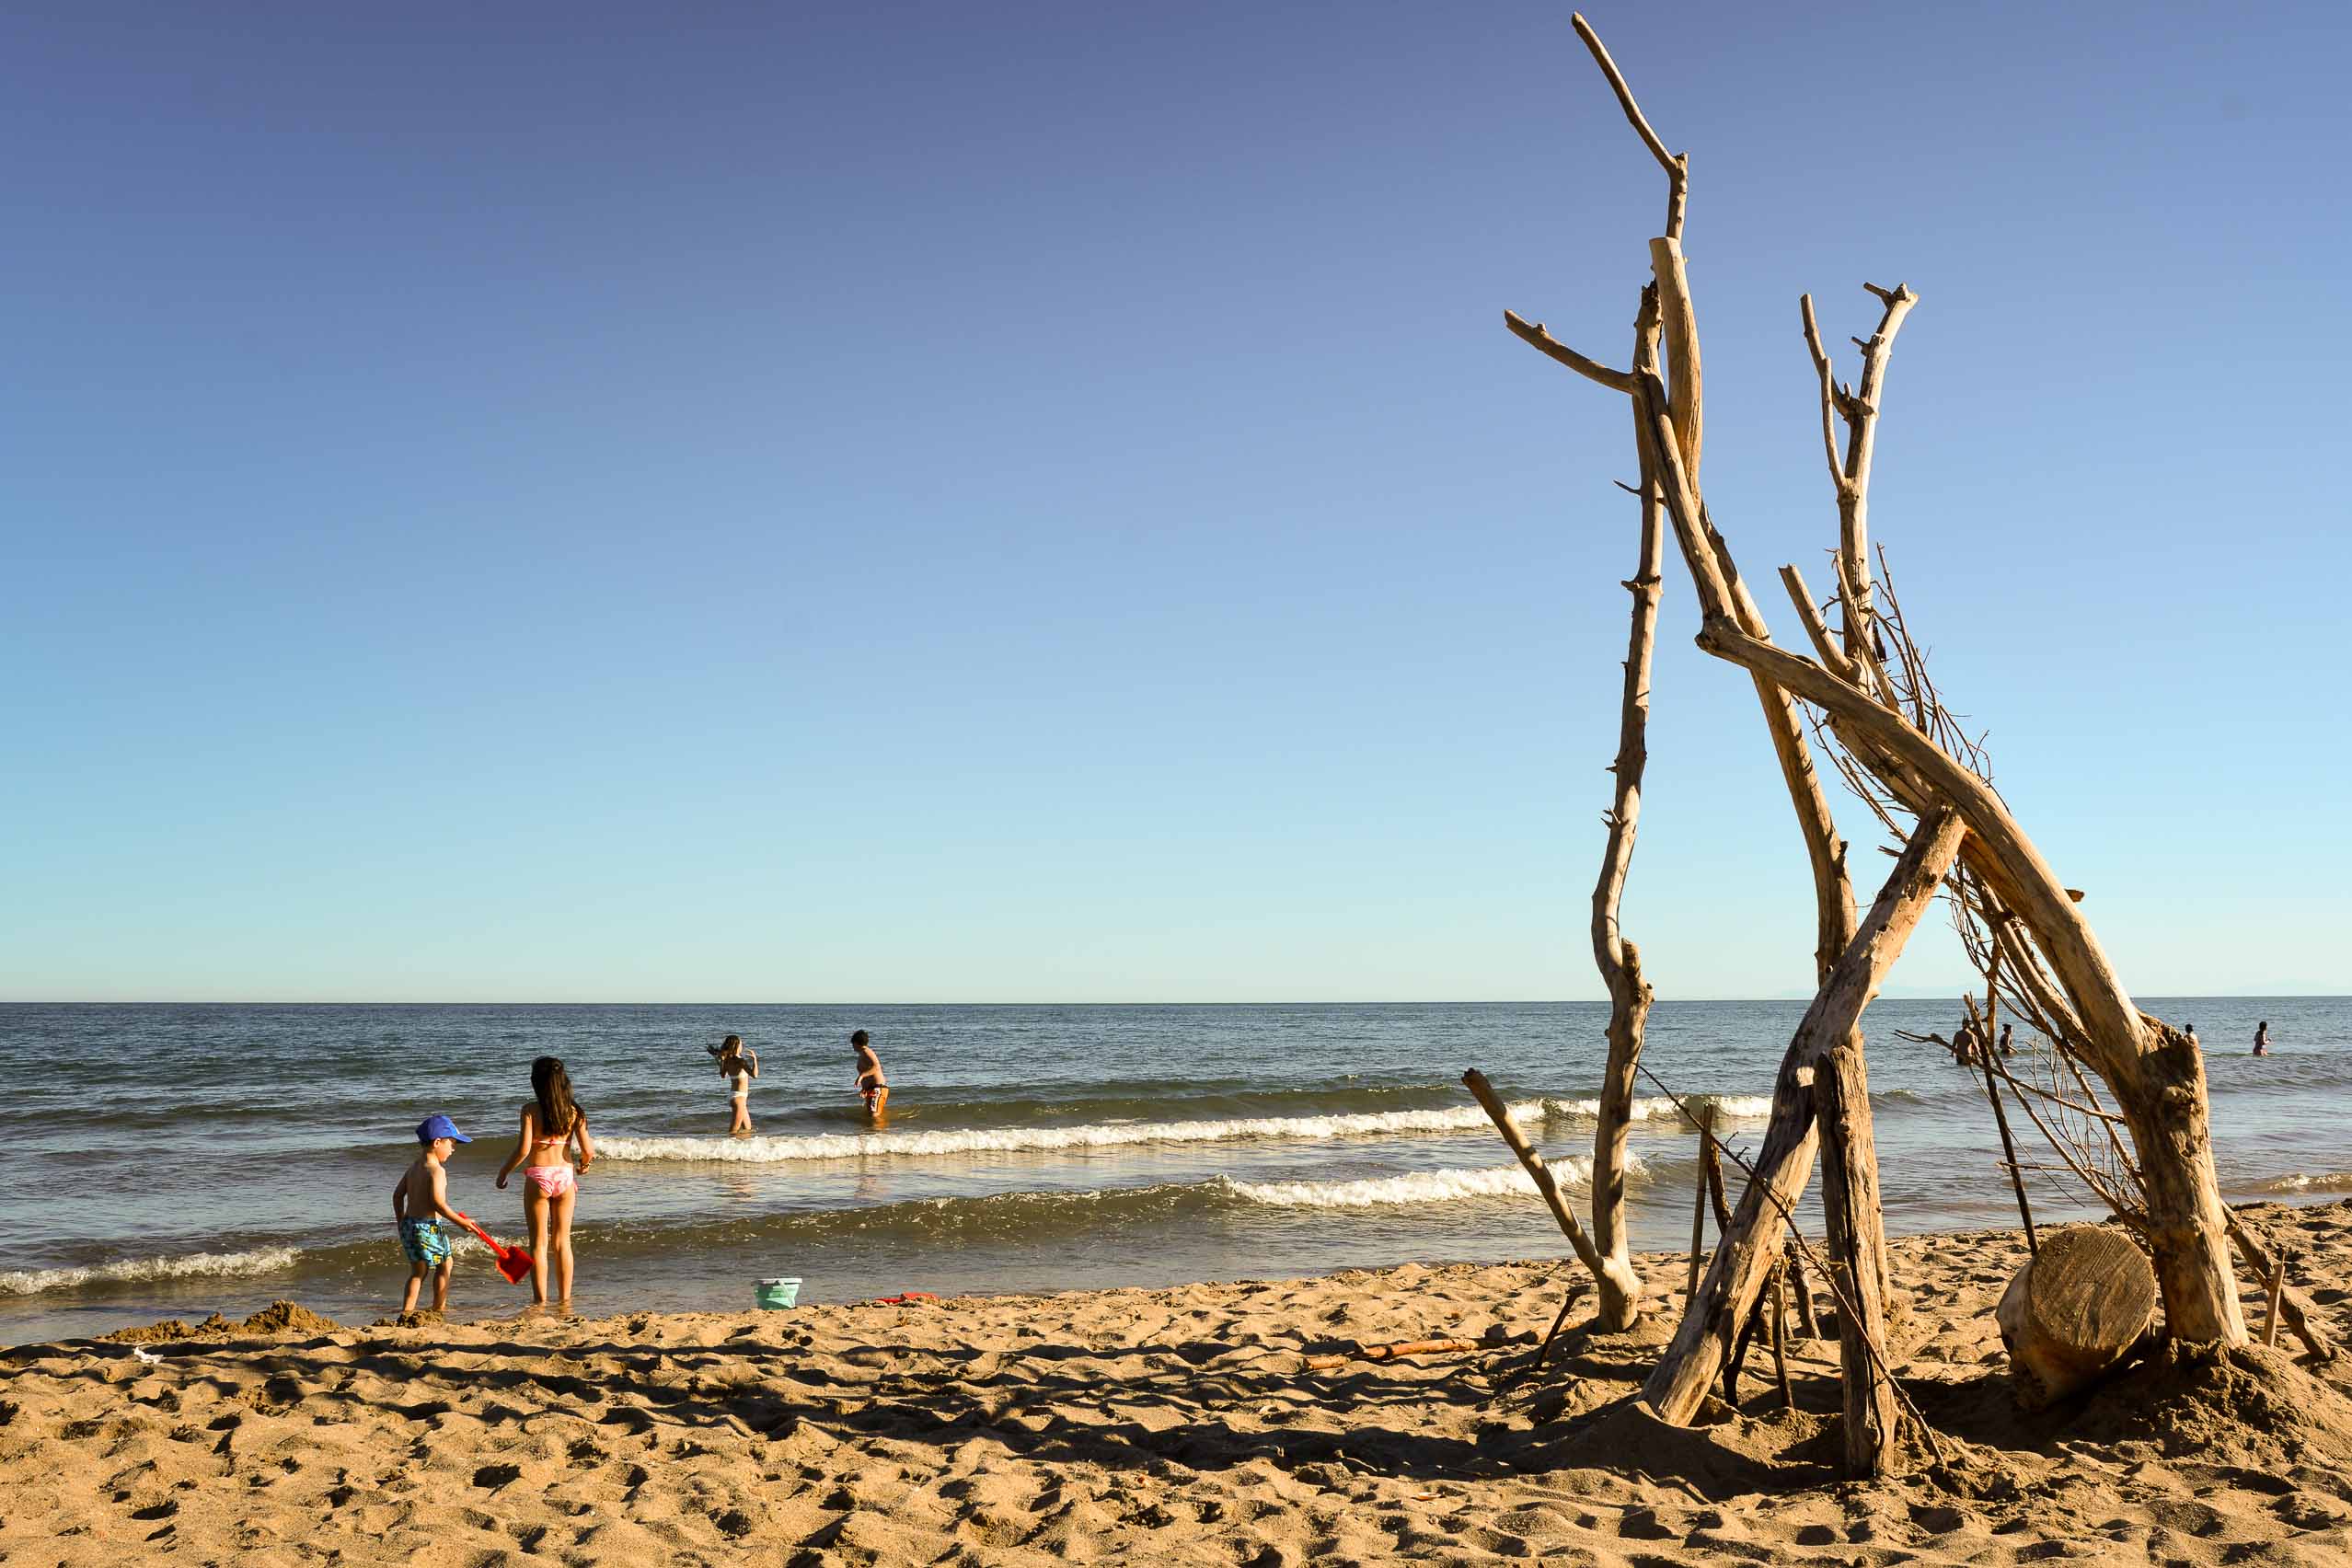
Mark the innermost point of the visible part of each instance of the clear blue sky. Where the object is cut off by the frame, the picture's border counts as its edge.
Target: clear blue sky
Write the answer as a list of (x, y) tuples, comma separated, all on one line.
[(1027, 501)]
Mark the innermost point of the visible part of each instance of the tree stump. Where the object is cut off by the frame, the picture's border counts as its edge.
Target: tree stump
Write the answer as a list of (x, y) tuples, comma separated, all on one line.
[(2073, 1312)]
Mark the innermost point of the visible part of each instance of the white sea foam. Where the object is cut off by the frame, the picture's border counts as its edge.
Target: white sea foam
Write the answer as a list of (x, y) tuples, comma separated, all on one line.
[(2308, 1181), (194, 1265), (1657, 1107), (1415, 1187), (1745, 1106), (1115, 1134), (1100, 1135)]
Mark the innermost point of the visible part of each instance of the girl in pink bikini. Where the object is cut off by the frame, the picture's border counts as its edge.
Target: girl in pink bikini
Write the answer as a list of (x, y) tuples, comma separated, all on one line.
[(552, 1123)]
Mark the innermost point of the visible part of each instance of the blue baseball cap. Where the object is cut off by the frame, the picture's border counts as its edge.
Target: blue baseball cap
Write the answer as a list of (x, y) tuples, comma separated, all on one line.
[(433, 1128)]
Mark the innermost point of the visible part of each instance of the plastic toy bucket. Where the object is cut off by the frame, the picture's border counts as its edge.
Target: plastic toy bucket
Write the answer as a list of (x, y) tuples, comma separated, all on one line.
[(777, 1293)]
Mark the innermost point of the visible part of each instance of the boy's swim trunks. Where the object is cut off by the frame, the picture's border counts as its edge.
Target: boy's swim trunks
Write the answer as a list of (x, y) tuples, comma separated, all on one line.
[(424, 1241)]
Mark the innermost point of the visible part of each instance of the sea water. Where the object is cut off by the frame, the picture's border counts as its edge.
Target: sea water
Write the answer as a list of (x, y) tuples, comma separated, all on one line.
[(173, 1160)]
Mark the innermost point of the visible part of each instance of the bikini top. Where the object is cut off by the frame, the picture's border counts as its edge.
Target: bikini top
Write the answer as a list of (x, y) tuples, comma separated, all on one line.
[(562, 1137)]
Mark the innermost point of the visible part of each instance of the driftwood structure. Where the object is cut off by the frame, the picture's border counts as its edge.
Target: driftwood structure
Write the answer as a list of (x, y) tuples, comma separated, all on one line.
[(1865, 695)]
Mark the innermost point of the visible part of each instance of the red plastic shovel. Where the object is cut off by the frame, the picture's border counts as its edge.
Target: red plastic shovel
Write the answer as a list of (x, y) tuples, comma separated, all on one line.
[(514, 1262)]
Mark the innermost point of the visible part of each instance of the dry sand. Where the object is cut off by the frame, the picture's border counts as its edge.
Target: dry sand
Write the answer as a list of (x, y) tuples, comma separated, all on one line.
[(1147, 1425)]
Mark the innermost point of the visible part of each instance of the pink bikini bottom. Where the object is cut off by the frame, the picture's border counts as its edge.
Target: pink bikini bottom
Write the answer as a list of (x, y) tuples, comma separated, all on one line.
[(553, 1180)]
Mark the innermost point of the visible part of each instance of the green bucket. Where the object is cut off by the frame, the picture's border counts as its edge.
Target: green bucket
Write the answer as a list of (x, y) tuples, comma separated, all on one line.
[(775, 1293)]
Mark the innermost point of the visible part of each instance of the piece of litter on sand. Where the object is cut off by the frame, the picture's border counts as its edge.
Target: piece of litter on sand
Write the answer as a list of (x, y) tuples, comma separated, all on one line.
[(149, 1356)]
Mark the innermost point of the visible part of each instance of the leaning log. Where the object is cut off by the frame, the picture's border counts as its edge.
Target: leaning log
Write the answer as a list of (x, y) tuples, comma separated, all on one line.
[(1857, 1256), (1748, 1250), (2073, 1311), (1537, 1173)]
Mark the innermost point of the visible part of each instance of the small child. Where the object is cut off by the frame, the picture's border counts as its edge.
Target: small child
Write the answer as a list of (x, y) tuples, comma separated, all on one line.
[(419, 1202)]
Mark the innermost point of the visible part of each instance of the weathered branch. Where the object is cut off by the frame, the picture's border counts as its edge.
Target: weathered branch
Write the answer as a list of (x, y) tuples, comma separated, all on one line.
[(1688, 404), (1747, 1252), (1817, 630), (1590, 369), (1829, 399), (1677, 166), (1862, 445), (1536, 1171), (1620, 961), (1851, 473), (1857, 1237)]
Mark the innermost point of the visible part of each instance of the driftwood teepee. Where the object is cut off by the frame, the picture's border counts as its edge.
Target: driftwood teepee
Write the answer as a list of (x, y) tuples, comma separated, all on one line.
[(1885, 731)]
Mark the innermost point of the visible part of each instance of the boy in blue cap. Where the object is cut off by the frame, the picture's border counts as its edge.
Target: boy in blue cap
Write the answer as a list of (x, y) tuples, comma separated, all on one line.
[(419, 1202)]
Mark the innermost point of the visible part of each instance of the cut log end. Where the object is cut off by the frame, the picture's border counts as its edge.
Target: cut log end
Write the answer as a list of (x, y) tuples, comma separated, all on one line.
[(2074, 1311)]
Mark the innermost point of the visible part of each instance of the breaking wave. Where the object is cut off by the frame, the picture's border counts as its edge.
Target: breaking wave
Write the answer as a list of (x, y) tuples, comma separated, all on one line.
[(1115, 1134), (194, 1265), (1415, 1187), (2307, 1181)]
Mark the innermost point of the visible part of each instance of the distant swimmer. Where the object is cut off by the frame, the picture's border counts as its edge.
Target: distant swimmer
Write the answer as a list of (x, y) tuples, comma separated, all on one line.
[(738, 1064), (2006, 1048), (2262, 1038), (871, 1084)]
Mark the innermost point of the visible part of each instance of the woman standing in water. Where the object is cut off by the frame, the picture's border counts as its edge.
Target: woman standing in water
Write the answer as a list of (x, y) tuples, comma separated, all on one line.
[(871, 1085), (553, 1125), (738, 1064)]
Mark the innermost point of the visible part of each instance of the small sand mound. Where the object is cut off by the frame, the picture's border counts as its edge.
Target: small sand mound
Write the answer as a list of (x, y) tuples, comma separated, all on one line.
[(154, 1333), (1735, 1455), (280, 1318), (2249, 1406), (288, 1318)]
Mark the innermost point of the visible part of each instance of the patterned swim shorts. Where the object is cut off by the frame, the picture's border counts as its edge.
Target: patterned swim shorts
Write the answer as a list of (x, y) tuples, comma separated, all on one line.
[(424, 1241)]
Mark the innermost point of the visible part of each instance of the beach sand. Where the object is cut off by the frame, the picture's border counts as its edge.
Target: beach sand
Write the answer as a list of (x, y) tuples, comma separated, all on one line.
[(1177, 1425)]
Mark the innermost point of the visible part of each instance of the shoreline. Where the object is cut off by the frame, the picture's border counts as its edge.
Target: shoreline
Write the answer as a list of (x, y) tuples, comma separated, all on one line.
[(1180, 1424)]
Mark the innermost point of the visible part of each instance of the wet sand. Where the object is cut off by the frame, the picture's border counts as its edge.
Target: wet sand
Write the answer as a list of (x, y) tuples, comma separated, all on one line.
[(1178, 1425)]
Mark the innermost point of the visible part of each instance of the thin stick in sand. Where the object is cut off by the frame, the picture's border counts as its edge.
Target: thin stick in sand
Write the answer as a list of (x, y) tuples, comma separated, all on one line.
[(2278, 1286), (1780, 1336), (1699, 1197)]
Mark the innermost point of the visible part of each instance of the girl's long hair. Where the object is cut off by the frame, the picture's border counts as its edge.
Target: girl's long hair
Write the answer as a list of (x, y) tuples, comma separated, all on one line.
[(558, 1113)]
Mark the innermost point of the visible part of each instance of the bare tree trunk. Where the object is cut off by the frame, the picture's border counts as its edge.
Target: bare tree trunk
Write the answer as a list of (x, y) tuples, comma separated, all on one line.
[(1856, 1255), (1744, 1256), (1620, 1286), (2161, 1096)]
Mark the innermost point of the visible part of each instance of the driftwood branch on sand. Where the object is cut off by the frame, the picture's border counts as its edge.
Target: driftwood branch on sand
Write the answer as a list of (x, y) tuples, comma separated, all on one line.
[(1393, 1351)]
